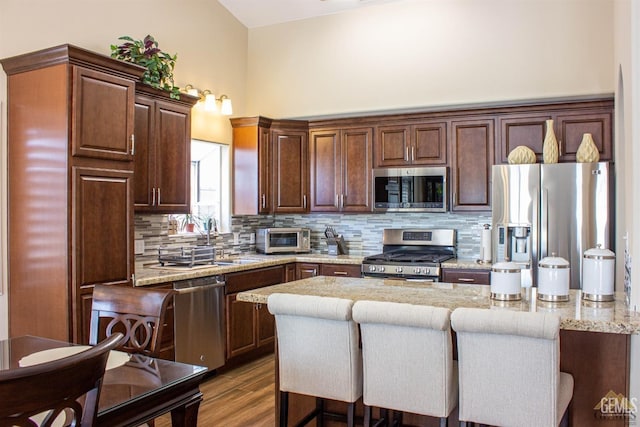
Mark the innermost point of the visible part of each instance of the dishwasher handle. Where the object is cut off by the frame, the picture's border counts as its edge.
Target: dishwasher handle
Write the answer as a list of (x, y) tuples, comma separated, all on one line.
[(194, 289)]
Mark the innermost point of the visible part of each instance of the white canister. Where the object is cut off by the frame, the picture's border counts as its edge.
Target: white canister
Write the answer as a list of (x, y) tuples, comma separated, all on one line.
[(505, 281), (598, 272), (554, 277)]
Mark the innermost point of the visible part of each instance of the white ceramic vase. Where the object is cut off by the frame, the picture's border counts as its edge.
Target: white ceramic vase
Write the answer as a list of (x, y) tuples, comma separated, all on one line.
[(550, 145)]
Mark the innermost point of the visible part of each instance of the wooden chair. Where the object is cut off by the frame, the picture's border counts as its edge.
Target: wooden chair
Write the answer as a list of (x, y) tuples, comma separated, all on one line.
[(55, 388), (138, 313)]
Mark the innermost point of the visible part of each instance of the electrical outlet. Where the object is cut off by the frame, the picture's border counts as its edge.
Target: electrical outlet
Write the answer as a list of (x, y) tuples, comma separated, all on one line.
[(236, 237), (252, 238), (139, 247)]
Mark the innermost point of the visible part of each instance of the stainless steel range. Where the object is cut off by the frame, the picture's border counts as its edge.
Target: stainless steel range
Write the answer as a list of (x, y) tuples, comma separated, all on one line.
[(411, 254)]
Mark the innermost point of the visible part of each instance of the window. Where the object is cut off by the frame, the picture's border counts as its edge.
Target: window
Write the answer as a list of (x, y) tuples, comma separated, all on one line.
[(210, 187)]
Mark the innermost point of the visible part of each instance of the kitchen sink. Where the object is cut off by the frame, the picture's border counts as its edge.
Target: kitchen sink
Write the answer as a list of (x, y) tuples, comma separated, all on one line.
[(236, 261)]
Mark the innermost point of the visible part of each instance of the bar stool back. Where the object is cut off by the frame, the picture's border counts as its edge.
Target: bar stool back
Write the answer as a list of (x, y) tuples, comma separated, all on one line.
[(408, 359), (509, 368), (318, 351)]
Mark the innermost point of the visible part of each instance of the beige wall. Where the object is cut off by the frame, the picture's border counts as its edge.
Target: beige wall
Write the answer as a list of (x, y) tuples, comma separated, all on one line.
[(417, 53), (211, 46)]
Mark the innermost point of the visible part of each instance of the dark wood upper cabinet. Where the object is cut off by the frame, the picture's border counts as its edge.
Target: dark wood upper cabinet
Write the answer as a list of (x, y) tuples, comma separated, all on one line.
[(270, 166), (102, 119), (290, 183), (162, 152), (472, 157), (340, 166), (405, 144), (571, 121)]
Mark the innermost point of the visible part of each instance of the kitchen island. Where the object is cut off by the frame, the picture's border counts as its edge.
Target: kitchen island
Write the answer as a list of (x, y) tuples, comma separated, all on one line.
[(594, 337)]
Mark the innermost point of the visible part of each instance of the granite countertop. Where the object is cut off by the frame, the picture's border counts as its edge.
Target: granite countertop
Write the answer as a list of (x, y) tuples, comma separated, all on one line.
[(576, 314), (155, 274)]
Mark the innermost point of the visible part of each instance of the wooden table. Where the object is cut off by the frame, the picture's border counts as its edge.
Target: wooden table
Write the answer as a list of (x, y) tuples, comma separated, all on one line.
[(138, 391)]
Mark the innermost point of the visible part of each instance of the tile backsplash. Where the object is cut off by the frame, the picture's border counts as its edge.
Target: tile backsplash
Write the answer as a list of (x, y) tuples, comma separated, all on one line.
[(362, 232)]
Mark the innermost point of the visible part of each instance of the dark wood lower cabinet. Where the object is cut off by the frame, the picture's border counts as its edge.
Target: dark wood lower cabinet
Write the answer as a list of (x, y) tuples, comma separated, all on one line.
[(599, 363), (305, 270), (250, 327)]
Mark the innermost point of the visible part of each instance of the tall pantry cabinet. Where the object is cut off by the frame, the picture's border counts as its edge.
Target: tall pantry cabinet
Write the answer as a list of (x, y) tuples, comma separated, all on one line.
[(70, 185)]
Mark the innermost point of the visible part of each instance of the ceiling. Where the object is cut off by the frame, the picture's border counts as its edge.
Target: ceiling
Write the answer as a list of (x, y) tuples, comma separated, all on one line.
[(258, 13)]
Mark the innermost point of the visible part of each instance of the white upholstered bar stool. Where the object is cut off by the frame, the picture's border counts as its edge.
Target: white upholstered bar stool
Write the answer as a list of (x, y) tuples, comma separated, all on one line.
[(318, 351), (408, 361), (509, 368)]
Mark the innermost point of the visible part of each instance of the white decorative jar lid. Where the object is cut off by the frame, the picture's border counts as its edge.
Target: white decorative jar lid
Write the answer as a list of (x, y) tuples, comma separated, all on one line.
[(505, 267), (599, 253), (553, 261)]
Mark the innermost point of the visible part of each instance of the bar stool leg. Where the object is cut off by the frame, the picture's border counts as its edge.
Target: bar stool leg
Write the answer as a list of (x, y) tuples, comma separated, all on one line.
[(367, 416), (351, 414), (284, 408)]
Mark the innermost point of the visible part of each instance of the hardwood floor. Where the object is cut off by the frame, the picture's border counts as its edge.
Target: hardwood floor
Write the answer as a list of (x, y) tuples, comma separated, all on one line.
[(242, 397)]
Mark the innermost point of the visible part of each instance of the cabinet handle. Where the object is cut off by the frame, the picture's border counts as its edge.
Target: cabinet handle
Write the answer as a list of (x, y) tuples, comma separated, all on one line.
[(133, 144), (413, 154), (153, 197), (560, 147), (340, 273), (406, 154), (158, 196), (342, 201), (465, 279), (337, 201), (264, 201), (304, 201)]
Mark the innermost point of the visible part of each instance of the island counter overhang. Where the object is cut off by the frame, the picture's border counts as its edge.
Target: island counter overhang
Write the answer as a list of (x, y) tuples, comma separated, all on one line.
[(594, 337)]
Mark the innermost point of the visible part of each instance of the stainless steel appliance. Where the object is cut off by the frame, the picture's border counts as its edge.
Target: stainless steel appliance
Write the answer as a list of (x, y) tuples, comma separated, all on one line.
[(283, 240), (411, 254), (199, 321), (540, 209), (410, 189)]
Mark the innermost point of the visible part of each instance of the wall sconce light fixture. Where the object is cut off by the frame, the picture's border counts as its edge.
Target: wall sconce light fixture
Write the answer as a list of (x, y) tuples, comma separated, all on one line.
[(210, 101)]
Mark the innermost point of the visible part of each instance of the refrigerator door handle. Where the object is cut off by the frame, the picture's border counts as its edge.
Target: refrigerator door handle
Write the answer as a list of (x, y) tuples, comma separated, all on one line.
[(544, 224)]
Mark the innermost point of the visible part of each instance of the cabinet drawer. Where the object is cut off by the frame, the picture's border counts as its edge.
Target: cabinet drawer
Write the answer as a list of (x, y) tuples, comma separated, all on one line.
[(343, 270), (469, 276), (243, 281)]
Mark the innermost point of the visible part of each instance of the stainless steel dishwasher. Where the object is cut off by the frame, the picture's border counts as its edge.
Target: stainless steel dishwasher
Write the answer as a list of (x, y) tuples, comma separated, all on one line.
[(199, 321)]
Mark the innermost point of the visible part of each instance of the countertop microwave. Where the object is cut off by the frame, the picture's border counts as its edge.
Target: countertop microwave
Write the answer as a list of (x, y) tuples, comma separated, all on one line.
[(422, 189), (283, 240)]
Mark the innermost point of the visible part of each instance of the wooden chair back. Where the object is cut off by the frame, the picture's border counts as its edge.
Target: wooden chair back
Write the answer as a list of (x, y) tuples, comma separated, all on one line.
[(50, 389), (139, 314)]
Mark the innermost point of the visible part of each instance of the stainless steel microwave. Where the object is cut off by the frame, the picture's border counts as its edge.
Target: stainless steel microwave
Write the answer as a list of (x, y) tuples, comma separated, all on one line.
[(410, 189), (283, 240)]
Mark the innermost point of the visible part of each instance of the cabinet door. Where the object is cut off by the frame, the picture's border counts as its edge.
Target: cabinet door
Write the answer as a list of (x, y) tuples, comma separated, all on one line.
[(571, 128), (325, 160), (265, 204), (265, 327), (522, 129), (103, 227), (392, 146), (241, 327), (306, 270), (144, 193), (472, 146), (290, 166), (172, 143), (429, 144), (102, 115), (356, 160)]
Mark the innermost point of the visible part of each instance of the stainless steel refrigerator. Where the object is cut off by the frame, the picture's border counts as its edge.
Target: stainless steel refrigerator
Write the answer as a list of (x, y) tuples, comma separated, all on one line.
[(545, 209)]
